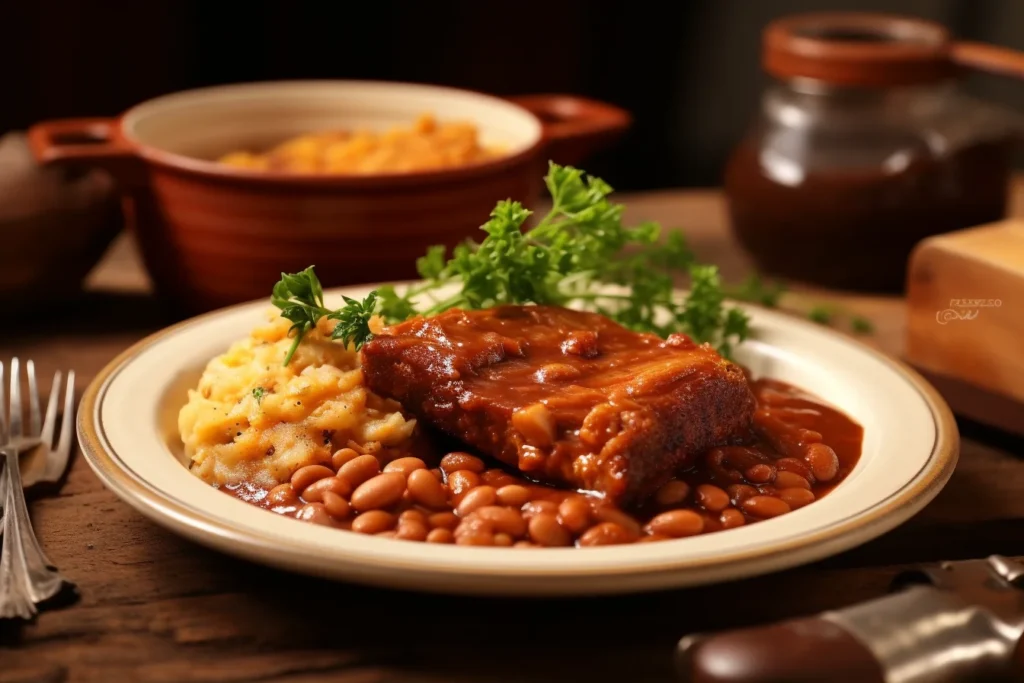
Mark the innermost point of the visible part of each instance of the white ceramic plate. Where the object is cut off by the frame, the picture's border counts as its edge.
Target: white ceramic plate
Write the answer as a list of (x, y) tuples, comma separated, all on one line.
[(127, 428)]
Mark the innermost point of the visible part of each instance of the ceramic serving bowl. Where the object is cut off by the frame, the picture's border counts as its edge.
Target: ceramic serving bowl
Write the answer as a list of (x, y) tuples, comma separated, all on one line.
[(55, 225), (213, 235)]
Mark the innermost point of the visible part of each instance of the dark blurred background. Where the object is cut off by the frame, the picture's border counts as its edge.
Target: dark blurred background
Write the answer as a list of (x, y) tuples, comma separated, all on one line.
[(687, 70)]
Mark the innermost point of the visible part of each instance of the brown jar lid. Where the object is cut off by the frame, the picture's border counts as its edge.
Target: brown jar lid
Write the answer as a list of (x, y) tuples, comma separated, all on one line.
[(859, 49)]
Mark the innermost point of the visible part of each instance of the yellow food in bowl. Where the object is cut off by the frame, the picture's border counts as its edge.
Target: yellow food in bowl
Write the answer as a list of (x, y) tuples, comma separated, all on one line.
[(425, 145), (254, 419)]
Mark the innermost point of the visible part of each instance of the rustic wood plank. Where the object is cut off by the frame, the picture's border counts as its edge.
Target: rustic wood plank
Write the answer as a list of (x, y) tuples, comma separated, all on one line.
[(154, 607)]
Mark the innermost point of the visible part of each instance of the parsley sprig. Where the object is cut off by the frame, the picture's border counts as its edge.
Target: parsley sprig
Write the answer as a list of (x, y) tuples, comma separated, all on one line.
[(301, 300), (570, 256)]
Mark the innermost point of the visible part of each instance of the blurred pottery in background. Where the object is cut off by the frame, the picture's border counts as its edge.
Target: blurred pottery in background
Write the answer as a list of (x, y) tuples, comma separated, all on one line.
[(864, 146), (55, 225), (213, 235)]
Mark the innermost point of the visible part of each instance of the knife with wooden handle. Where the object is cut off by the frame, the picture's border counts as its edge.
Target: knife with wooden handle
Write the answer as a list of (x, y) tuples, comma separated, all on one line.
[(957, 621)]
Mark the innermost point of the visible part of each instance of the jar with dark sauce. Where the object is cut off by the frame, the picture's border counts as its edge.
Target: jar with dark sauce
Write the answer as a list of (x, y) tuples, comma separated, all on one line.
[(865, 145)]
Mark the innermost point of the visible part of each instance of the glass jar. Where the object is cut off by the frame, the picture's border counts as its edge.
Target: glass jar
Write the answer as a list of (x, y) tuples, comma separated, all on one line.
[(863, 146)]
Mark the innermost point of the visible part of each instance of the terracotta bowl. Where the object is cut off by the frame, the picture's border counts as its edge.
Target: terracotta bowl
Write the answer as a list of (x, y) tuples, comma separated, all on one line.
[(213, 235), (55, 225)]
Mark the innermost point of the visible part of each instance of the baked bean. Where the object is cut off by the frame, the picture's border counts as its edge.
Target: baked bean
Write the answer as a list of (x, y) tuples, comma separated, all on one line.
[(823, 461), (545, 530), (502, 539), (513, 495), (760, 473), (731, 518), (314, 512), (475, 539), (574, 514), (373, 522), (335, 505), (606, 513), (743, 458), (314, 493), (711, 522), (791, 480), (535, 507), (405, 465), (765, 506), (283, 494), (304, 476), (720, 468), (605, 533), (358, 470), (474, 531), (677, 523), (795, 466), (443, 520), (712, 498), (342, 456), (462, 481), (796, 497), (498, 478), (651, 538), (810, 436), (672, 493), (412, 515), (426, 490), (740, 492), (440, 535), (477, 498), (438, 474), (504, 520), (453, 462), (382, 491), (784, 437), (411, 530)]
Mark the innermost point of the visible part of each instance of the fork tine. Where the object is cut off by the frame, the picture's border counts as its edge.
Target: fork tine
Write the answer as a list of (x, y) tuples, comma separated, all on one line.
[(15, 415), (33, 400), (58, 460), (3, 407), (50, 419)]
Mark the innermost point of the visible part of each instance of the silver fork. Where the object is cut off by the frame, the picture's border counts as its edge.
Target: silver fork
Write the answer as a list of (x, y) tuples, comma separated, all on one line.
[(26, 575)]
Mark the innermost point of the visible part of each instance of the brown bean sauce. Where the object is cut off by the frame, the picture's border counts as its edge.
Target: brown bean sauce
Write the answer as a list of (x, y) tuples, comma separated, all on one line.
[(800, 450)]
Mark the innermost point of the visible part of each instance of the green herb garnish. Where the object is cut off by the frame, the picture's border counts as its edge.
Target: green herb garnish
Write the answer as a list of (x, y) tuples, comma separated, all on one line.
[(755, 290), (258, 393), (354, 320), (301, 300), (861, 325), (570, 256), (820, 315)]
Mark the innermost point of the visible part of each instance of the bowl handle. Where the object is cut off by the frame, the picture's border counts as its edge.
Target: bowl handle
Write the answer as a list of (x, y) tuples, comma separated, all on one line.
[(89, 142), (575, 127)]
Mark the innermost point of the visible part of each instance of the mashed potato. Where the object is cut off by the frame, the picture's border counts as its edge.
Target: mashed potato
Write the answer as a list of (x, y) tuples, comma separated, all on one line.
[(254, 419)]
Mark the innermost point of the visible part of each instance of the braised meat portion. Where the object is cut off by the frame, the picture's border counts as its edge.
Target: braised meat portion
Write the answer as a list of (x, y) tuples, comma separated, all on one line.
[(565, 396)]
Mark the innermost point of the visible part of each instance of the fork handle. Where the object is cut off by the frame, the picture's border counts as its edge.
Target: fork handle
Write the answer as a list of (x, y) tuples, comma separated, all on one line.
[(25, 571)]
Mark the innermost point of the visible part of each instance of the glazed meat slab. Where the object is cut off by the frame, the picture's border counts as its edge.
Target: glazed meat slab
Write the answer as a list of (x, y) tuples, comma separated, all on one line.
[(565, 396)]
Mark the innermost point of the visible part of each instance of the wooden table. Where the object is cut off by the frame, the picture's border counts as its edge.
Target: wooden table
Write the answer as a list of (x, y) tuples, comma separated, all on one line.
[(154, 607)]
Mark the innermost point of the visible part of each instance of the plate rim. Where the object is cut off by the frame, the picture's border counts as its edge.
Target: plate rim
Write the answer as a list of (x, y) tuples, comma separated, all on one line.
[(164, 509)]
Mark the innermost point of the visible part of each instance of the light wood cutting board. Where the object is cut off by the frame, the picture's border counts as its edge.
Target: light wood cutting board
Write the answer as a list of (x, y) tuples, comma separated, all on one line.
[(965, 320)]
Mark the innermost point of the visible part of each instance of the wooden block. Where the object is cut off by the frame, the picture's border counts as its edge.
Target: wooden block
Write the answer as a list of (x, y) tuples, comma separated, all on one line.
[(965, 319)]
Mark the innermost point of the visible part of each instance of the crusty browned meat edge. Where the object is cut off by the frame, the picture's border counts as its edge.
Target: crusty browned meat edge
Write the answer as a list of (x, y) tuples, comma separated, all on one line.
[(416, 363)]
